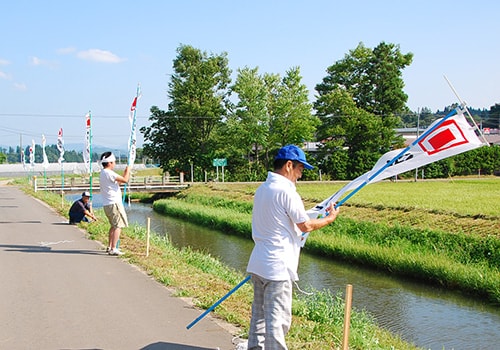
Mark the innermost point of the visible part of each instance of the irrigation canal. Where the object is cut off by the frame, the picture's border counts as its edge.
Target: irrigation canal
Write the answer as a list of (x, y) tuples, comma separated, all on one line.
[(430, 317)]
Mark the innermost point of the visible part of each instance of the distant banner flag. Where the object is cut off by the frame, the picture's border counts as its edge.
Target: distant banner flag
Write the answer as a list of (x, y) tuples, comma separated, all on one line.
[(444, 138), (132, 141), (45, 163), (60, 146), (132, 110), (23, 160), (32, 153), (87, 152)]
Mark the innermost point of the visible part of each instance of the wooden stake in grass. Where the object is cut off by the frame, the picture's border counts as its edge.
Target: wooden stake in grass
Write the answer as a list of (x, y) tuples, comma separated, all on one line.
[(347, 316), (147, 237)]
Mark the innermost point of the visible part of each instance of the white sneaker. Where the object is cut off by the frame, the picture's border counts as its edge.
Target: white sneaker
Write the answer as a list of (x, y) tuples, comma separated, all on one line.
[(242, 346), (115, 251)]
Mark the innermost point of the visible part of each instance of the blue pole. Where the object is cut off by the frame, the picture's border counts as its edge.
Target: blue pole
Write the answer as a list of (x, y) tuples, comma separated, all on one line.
[(218, 302)]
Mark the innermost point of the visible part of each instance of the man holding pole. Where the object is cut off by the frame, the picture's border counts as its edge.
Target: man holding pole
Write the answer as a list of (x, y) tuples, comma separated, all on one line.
[(112, 199), (279, 220)]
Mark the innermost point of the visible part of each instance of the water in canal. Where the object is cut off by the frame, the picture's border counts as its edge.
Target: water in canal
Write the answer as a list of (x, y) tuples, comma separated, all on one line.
[(429, 317)]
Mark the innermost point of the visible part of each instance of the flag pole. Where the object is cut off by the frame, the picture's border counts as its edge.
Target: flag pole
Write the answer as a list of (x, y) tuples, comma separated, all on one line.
[(44, 158), (207, 311), (90, 157), (464, 105), (132, 137), (60, 146)]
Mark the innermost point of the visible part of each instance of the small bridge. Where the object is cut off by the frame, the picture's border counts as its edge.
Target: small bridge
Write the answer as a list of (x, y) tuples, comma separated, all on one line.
[(150, 184)]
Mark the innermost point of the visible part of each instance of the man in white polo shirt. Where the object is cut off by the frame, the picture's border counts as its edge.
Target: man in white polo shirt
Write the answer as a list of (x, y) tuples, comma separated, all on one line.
[(278, 221), (112, 199)]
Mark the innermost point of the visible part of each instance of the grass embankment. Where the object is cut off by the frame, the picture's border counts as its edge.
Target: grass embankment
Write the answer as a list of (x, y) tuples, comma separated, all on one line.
[(317, 319), (445, 233)]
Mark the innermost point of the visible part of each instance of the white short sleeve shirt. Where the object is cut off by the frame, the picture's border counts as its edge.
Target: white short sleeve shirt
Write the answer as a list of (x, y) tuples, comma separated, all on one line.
[(276, 211), (110, 189)]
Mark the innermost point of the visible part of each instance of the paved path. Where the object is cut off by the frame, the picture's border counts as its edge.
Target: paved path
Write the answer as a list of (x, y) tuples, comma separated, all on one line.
[(60, 290)]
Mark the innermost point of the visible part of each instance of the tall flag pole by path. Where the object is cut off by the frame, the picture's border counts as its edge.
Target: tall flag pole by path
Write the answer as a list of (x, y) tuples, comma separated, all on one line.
[(444, 138), (32, 156), (23, 160), (87, 152), (132, 140), (45, 163), (60, 147)]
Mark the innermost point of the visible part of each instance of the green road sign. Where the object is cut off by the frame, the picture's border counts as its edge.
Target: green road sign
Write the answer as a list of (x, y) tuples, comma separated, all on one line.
[(219, 162)]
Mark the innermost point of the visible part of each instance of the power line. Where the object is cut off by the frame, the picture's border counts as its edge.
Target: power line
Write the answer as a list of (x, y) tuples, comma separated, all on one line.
[(80, 116)]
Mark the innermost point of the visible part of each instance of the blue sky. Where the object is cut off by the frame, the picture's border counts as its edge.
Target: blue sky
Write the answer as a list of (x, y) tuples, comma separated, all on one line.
[(61, 59)]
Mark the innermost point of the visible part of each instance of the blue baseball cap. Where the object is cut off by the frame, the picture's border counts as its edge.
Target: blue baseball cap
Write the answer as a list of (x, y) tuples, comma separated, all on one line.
[(292, 152)]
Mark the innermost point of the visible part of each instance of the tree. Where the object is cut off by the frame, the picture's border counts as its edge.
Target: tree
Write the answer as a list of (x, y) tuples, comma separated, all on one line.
[(247, 126), (198, 94), (423, 118), (270, 112), (358, 102), (493, 120), (350, 136), (372, 77), (292, 121)]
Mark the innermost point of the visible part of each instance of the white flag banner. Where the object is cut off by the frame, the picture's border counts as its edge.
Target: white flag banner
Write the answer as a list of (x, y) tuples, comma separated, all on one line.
[(23, 158), (86, 151), (444, 138), (32, 153), (60, 146), (132, 141), (45, 163)]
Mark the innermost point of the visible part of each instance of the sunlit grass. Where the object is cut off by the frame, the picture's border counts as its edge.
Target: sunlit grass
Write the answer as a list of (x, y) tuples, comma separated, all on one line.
[(317, 320), (431, 238)]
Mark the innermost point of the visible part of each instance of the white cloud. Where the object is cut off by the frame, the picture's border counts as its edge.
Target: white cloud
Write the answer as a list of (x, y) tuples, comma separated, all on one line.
[(66, 50), (3, 62), (4, 75), (98, 55), (20, 86), (35, 61)]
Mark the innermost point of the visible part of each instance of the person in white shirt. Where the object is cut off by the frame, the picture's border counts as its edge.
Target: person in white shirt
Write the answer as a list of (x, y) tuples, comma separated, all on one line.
[(112, 199), (278, 221)]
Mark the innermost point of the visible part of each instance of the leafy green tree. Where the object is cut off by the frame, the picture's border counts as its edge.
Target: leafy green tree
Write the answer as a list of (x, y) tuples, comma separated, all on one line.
[(270, 112), (3, 158), (198, 93), (352, 131), (247, 126), (423, 118), (358, 102), (493, 120), (292, 121), (372, 77)]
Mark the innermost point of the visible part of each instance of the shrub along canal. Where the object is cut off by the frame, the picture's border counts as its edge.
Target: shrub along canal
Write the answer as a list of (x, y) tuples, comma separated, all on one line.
[(430, 317)]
